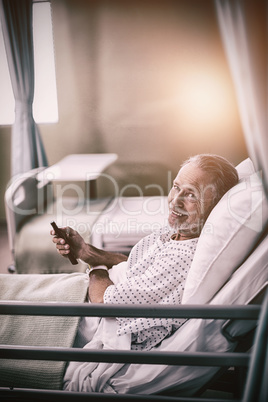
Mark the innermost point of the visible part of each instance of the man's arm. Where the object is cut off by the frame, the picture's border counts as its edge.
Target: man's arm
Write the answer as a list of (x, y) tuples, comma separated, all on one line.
[(98, 282), (86, 252)]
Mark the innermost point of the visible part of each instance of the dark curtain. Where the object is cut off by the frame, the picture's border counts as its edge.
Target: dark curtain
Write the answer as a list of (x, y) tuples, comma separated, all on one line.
[(27, 150)]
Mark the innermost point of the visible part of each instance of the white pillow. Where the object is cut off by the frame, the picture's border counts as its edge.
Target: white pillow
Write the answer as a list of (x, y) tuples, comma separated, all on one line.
[(230, 232), (245, 169)]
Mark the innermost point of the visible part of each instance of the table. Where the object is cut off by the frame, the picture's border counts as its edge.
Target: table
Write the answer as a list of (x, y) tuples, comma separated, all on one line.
[(79, 167)]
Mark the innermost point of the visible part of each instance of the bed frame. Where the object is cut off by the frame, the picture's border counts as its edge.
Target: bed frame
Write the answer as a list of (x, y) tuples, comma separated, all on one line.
[(256, 362)]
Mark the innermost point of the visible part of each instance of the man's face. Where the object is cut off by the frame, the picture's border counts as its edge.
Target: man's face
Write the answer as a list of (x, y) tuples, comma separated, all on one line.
[(190, 201)]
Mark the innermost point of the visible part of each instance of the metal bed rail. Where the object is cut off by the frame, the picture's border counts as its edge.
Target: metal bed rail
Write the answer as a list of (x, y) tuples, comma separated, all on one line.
[(256, 361), (100, 310), (57, 396)]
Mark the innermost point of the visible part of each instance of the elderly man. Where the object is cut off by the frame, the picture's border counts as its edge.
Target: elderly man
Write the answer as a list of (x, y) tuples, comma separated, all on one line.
[(157, 266)]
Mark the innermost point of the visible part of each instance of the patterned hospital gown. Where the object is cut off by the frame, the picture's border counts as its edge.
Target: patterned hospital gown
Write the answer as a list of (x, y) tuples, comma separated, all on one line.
[(157, 270)]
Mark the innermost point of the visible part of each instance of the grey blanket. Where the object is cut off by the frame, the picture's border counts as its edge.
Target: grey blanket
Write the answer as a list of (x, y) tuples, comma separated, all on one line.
[(38, 330)]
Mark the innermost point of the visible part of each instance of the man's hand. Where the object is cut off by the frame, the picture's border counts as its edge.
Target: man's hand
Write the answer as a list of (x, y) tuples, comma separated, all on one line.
[(86, 252), (75, 242)]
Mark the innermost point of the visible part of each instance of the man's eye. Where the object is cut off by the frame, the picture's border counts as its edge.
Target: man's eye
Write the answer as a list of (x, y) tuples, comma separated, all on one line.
[(190, 195)]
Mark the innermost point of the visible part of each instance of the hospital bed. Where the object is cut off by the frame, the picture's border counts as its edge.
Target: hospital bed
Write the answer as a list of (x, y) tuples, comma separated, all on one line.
[(228, 276), (31, 205)]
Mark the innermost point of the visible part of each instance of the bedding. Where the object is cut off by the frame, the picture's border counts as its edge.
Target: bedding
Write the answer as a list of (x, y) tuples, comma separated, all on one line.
[(38, 330), (92, 376)]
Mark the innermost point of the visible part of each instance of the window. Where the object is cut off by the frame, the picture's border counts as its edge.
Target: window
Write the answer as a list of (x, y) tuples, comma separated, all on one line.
[(45, 106)]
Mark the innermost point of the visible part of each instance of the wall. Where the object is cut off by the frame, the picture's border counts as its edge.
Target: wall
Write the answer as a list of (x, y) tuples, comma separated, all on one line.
[(147, 80)]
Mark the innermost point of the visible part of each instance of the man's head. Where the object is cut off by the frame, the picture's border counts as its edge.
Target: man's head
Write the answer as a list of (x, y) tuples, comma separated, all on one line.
[(199, 185)]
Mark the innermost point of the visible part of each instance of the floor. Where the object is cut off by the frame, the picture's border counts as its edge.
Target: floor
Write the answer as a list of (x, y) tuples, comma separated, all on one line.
[(5, 254)]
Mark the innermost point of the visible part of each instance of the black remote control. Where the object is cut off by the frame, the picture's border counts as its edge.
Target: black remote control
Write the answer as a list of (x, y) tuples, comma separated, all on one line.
[(60, 233)]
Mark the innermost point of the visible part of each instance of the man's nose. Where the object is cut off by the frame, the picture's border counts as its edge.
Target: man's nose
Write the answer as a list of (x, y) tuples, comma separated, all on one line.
[(179, 198)]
